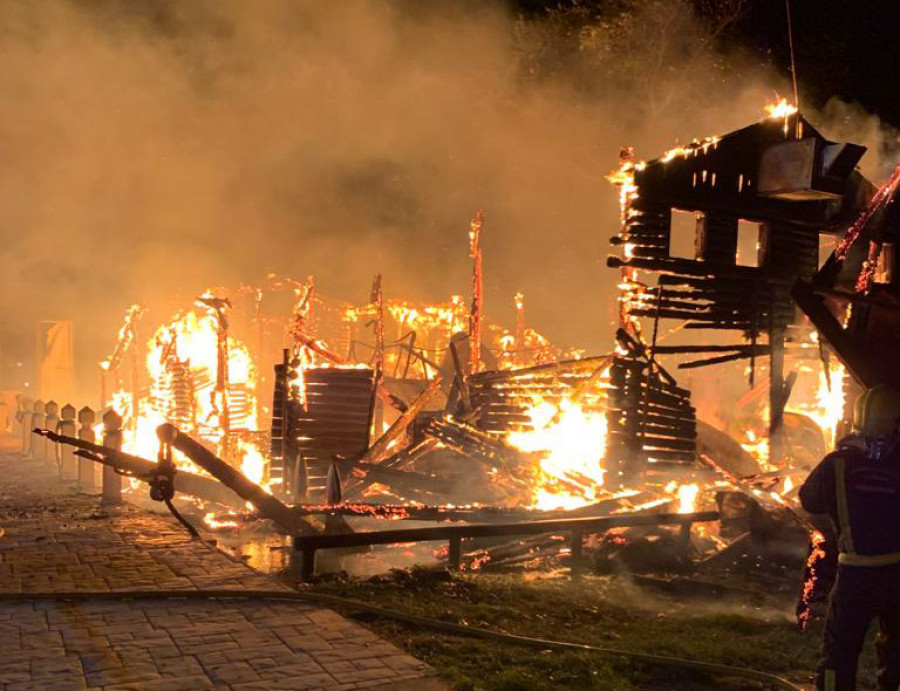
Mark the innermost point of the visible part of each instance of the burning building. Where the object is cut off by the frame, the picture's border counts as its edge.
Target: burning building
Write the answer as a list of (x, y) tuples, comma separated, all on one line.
[(398, 409), (727, 225)]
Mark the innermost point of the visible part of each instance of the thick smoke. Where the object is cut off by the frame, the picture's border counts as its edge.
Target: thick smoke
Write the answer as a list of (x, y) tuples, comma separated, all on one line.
[(152, 149)]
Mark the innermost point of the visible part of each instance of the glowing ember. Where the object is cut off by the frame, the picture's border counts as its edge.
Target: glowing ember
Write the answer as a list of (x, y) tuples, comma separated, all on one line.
[(813, 561), (788, 485), (757, 446), (452, 317), (216, 523), (688, 496), (571, 444), (693, 148), (623, 178)]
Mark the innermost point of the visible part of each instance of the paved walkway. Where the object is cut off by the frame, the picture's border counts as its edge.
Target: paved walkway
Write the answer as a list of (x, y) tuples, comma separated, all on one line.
[(54, 539)]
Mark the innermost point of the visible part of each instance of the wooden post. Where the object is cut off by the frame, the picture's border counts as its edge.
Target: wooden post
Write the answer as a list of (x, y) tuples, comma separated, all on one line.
[(36, 444), (16, 429), (217, 308), (777, 398), (462, 381), (51, 419), (68, 465), (258, 325), (577, 550), (307, 556), (27, 416), (86, 418), (454, 553), (476, 314), (684, 536), (112, 439), (520, 354), (376, 298)]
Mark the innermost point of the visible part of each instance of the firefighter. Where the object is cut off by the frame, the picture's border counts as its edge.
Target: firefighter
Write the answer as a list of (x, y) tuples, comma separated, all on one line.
[(858, 486)]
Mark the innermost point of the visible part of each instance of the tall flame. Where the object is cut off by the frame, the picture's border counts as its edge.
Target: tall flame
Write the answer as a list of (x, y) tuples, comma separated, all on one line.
[(181, 365), (571, 444)]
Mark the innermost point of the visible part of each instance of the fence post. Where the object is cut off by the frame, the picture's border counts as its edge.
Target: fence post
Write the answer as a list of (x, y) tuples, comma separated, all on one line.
[(577, 555), (454, 552), (16, 427), (684, 537), (112, 439), (68, 467), (35, 443), (27, 411), (50, 422), (86, 418)]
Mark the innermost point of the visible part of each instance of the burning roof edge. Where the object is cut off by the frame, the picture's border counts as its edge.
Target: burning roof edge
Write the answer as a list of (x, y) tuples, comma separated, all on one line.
[(779, 168)]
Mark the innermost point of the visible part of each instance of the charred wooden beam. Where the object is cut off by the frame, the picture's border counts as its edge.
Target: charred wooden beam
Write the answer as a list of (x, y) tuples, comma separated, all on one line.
[(863, 369), (648, 442), (548, 368), (492, 514), (355, 486), (723, 325), (743, 355), (267, 505), (475, 444), (378, 450), (406, 481), (687, 349), (320, 349), (185, 482), (680, 266)]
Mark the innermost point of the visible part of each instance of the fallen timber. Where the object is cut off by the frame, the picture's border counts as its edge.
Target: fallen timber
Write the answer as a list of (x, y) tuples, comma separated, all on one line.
[(356, 486), (227, 479), (485, 514), (198, 486), (267, 505), (475, 444), (380, 448), (406, 483), (308, 545)]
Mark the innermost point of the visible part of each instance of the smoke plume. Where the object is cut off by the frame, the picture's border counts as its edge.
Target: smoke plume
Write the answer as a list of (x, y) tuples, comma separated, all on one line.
[(153, 149)]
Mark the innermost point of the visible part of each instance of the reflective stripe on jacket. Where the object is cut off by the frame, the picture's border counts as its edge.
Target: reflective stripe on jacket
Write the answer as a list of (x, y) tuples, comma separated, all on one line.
[(861, 493)]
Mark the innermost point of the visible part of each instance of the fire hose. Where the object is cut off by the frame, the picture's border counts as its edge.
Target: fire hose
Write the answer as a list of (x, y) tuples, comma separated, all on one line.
[(162, 488), (772, 680)]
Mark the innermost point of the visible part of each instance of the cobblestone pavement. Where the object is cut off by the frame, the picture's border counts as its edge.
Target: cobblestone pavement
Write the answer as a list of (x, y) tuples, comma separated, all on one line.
[(54, 539)]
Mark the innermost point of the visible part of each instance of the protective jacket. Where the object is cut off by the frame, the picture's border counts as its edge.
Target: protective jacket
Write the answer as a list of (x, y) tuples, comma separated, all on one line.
[(858, 486)]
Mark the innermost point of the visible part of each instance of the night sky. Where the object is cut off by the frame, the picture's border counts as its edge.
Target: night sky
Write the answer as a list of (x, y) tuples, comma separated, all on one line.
[(213, 141), (845, 49)]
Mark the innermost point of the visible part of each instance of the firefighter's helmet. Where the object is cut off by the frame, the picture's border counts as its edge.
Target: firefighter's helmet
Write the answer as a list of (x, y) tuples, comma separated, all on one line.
[(877, 411)]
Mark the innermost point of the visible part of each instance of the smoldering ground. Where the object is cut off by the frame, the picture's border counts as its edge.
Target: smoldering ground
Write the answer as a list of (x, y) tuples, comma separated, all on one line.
[(151, 149)]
